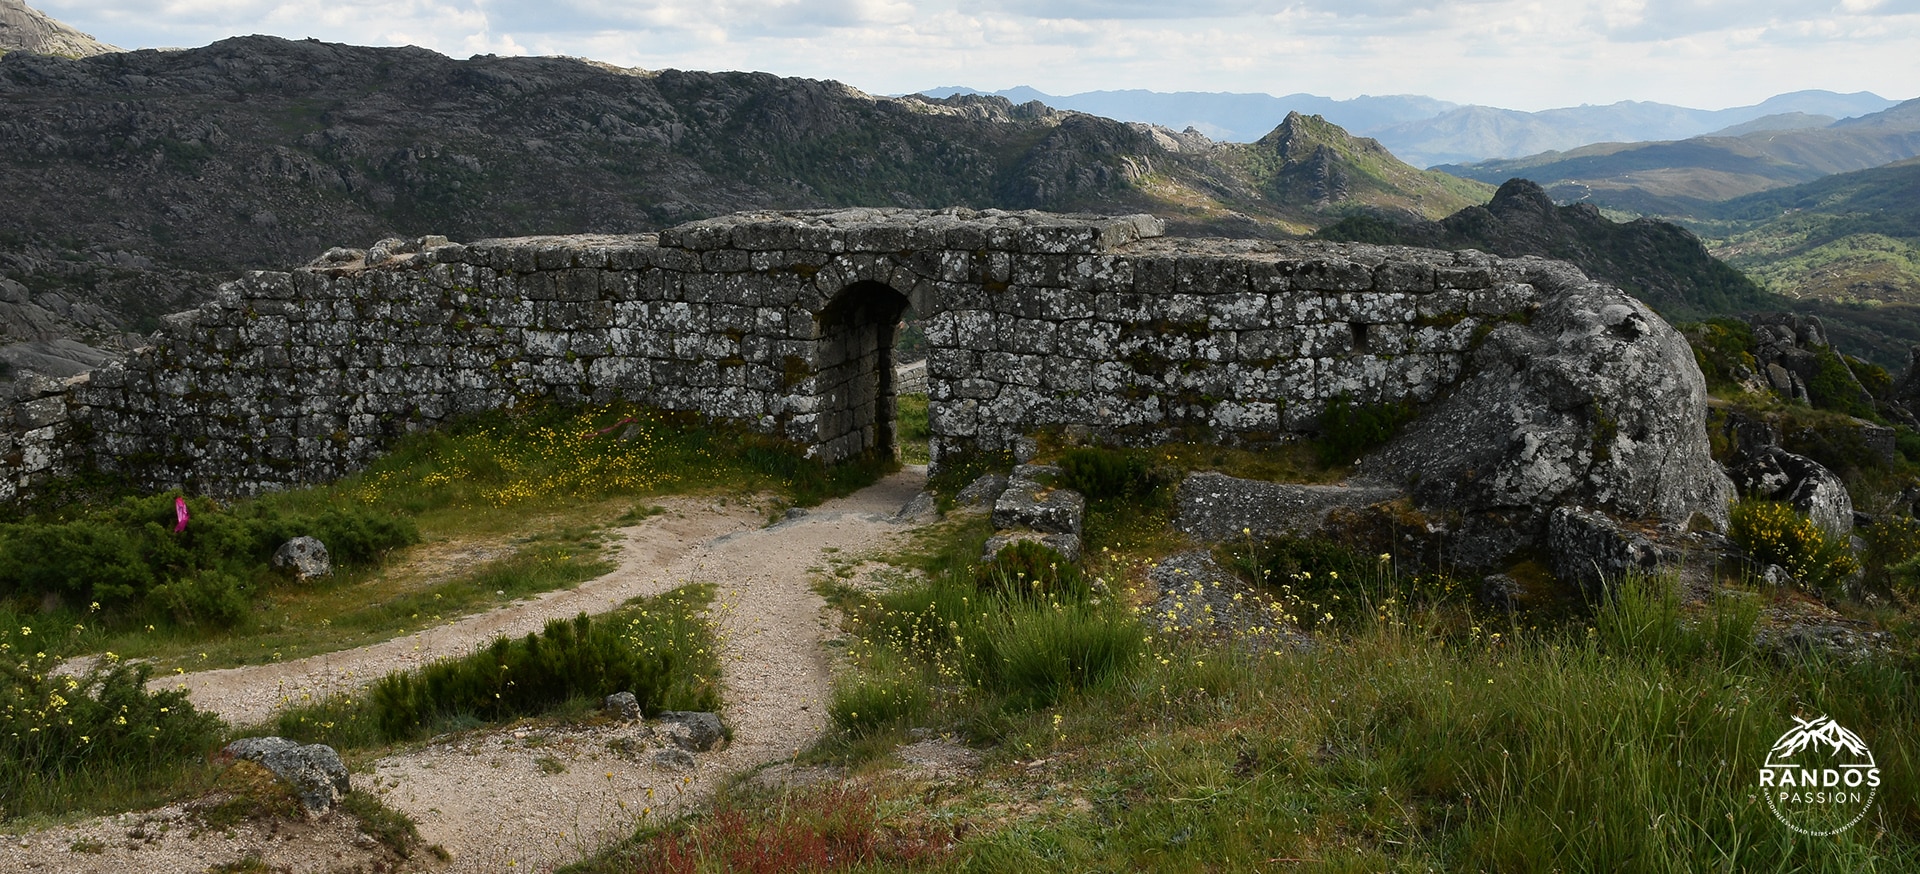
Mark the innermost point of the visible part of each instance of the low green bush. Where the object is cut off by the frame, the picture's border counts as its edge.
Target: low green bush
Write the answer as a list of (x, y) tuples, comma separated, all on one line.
[(511, 678), (128, 559), (1771, 533), (65, 740), (660, 649), (1107, 474)]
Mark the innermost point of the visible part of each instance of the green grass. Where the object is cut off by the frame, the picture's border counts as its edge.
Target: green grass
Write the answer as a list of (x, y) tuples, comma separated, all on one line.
[(911, 430), (541, 481), (1411, 736)]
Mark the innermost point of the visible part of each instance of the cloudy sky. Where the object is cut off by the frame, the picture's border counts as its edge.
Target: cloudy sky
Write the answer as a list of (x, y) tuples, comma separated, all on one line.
[(1520, 54)]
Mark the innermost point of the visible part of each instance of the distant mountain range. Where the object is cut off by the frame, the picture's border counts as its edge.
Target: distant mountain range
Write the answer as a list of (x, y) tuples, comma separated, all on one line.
[(1684, 177), (1424, 131)]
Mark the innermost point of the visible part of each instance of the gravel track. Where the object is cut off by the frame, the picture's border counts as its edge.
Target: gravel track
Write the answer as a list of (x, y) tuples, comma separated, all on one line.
[(530, 799)]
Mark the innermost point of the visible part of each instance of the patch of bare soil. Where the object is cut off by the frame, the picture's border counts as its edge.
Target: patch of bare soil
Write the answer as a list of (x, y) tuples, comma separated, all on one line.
[(539, 797)]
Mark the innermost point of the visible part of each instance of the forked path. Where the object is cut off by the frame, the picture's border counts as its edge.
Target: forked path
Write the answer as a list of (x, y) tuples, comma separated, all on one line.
[(529, 799)]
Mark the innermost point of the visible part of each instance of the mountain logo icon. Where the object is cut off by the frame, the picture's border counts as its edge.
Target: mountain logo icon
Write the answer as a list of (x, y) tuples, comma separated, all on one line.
[(1819, 778)]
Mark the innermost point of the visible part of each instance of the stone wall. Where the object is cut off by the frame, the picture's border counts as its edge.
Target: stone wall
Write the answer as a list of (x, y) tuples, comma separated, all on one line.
[(783, 321)]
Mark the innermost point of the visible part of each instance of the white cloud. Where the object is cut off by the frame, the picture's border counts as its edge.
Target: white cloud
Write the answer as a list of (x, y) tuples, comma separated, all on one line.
[(1526, 54)]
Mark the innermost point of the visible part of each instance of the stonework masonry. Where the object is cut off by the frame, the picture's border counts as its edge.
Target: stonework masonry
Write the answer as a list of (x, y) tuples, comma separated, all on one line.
[(783, 321)]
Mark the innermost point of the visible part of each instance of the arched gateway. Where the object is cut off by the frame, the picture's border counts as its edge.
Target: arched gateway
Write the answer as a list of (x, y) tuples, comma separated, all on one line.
[(783, 321)]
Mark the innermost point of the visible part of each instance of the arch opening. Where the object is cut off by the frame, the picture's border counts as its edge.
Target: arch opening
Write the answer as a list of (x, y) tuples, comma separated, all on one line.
[(854, 370)]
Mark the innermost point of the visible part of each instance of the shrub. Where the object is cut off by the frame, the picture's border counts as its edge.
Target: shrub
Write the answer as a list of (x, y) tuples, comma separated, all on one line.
[(1349, 430), (128, 558), (61, 736), (1891, 541), (1770, 532), (511, 678)]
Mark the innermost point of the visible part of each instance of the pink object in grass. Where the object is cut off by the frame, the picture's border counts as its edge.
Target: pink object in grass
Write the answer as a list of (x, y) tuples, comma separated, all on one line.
[(179, 515)]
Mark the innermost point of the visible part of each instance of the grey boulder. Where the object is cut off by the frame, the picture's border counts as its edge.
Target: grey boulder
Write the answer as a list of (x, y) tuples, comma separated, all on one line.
[(315, 771), (305, 557)]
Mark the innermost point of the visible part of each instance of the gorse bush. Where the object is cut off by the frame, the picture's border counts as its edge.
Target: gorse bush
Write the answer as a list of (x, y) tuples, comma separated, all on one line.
[(1771, 533), (63, 737), (128, 559)]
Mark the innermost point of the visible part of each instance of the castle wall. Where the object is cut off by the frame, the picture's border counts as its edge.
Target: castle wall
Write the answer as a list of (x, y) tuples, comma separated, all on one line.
[(1033, 321)]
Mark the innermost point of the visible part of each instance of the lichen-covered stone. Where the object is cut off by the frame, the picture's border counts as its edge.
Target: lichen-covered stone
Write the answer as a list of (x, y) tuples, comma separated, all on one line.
[(1033, 501), (1588, 400), (315, 771), (1214, 506), (1590, 550), (304, 557)]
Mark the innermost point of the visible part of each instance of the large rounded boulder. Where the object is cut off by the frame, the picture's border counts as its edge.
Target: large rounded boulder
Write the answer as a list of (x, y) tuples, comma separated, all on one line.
[(1591, 400)]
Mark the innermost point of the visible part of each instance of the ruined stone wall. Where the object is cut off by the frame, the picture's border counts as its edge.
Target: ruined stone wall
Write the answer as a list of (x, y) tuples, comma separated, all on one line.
[(782, 321)]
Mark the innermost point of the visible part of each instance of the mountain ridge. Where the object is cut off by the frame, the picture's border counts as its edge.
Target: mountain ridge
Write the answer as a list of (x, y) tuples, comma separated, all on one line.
[(1425, 131)]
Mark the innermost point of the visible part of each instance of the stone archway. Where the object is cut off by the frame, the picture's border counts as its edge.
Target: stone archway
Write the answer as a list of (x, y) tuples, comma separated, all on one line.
[(853, 360)]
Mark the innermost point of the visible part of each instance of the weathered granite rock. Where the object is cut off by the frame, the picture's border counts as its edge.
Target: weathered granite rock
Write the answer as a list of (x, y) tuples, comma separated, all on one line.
[(623, 706), (1591, 401), (1031, 501), (1068, 545), (921, 508), (695, 731), (1498, 591), (315, 771), (982, 493), (1214, 506), (1592, 551), (305, 557), (1774, 474)]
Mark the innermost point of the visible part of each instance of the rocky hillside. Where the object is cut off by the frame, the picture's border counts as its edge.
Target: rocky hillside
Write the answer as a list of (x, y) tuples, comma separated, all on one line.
[(26, 29), (128, 175), (1660, 263)]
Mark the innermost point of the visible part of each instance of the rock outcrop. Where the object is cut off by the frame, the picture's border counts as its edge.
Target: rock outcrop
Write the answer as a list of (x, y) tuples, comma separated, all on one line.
[(1214, 506), (26, 29), (1592, 400), (304, 557), (314, 771)]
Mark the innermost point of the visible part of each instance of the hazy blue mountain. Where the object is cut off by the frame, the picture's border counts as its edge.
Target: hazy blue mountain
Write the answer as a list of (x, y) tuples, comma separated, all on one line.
[(1424, 131), (1237, 118), (1782, 121), (1478, 133), (1682, 177)]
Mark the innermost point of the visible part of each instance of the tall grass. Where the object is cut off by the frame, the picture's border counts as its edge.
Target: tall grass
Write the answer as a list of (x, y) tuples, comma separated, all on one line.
[(660, 649), (1633, 744)]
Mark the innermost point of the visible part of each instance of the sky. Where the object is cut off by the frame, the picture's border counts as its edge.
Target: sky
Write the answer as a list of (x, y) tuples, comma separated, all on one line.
[(1516, 54)]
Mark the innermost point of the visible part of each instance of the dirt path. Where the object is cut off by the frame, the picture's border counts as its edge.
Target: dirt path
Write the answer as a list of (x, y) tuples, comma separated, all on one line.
[(541, 798)]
